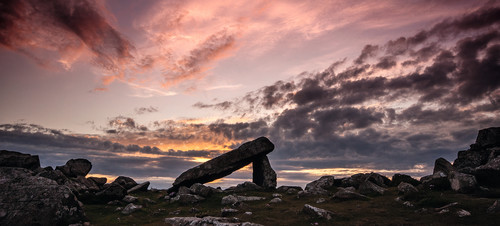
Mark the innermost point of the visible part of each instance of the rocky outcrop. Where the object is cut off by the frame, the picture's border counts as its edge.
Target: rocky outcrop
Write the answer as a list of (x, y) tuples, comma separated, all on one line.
[(317, 212), (407, 189), (125, 182), (75, 167), (320, 186), (227, 163), (481, 152), (442, 165), (437, 181), (398, 178), (461, 182), (357, 179), (35, 200), (263, 174), (17, 159), (195, 221), (369, 188), (489, 173)]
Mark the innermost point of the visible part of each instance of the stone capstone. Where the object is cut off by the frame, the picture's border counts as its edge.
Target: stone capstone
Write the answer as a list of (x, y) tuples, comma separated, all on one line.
[(16, 159), (227, 163), (34, 200), (75, 167)]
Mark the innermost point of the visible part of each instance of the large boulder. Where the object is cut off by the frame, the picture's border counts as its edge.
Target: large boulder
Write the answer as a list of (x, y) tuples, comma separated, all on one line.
[(112, 192), (489, 173), (407, 189), (369, 188), (263, 174), (17, 159), (443, 165), (461, 182), (398, 178), (34, 200), (76, 167), (357, 179), (320, 186), (436, 181), (125, 182), (225, 164)]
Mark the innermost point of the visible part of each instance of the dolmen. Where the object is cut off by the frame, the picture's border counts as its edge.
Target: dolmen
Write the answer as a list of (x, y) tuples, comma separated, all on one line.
[(254, 152)]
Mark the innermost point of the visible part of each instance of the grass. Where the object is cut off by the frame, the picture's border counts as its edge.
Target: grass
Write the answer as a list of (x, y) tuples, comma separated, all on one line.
[(380, 210)]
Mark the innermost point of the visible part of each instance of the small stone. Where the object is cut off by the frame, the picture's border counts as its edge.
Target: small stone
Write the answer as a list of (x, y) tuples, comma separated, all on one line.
[(248, 213), (277, 195), (317, 212), (443, 211), (228, 211), (408, 204), (495, 208), (130, 208), (463, 213), (275, 200), (118, 209), (175, 212), (320, 200), (130, 199)]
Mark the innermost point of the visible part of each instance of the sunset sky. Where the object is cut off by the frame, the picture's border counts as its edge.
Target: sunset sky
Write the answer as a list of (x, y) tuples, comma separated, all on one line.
[(149, 89)]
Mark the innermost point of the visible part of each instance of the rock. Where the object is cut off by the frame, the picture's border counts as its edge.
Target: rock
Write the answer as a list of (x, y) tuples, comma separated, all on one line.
[(489, 173), (347, 194), (379, 180), (184, 190), (208, 220), (320, 186), (232, 199), (100, 181), (202, 190), (130, 199), (248, 213), (113, 192), (245, 186), (275, 200), (369, 188), (225, 164), (292, 191), (114, 203), (227, 211), (461, 182), (55, 175), (34, 200), (317, 212), (175, 212), (286, 188), (407, 189), (495, 208), (17, 159), (187, 199), (463, 213), (408, 204), (320, 200), (76, 167), (446, 206), (263, 174), (489, 137), (140, 187), (125, 182), (438, 181), (398, 178), (130, 208), (277, 195), (443, 165)]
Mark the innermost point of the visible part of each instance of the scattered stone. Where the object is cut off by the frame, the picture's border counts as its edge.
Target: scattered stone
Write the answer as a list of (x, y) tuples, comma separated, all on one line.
[(228, 211), (187, 199), (202, 190), (320, 200), (114, 203), (443, 211), (263, 174), (232, 199), (175, 212), (407, 189), (130, 199), (248, 213), (34, 200), (208, 220), (194, 210), (317, 212), (461, 182), (284, 189), (347, 194), (357, 179), (408, 204), (225, 164), (17, 159), (245, 186), (446, 206), (118, 209), (398, 178), (275, 200), (125, 182), (463, 213), (277, 195), (149, 201), (369, 188), (442, 165), (130, 208), (140, 187), (320, 186), (76, 167), (495, 208), (292, 191)]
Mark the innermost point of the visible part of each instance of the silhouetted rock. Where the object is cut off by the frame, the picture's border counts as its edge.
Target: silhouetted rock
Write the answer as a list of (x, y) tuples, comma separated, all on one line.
[(55, 175), (481, 152), (112, 192), (125, 182), (398, 178), (34, 200), (140, 187), (263, 174), (245, 186), (369, 188), (356, 180), (461, 182), (317, 212), (407, 189), (284, 189), (225, 164), (75, 167), (443, 165), (17, 159), (100, 181), (489, 137), (320, 186)]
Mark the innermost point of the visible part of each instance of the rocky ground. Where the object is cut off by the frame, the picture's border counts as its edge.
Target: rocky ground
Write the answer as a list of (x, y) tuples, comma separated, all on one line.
[(466, 192)]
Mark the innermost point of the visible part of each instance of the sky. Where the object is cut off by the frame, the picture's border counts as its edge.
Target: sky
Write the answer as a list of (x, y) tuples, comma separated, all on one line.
[(149, 89)]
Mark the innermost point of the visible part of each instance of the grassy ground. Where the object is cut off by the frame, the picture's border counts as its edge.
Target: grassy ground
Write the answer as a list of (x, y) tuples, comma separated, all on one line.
[(380, 210)]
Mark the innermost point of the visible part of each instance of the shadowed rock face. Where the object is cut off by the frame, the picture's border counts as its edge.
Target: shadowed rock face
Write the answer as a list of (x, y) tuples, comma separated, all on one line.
[(16, 159), (227, 163), (263, 174)]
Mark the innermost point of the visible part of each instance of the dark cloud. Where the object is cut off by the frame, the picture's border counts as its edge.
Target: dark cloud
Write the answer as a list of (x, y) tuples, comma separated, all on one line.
[(66, 26), (368, 51), (144, 110)]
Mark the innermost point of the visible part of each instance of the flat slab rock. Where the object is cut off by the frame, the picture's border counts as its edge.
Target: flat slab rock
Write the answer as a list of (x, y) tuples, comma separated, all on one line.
[(227, 163), (195, 221), (317, 212)]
